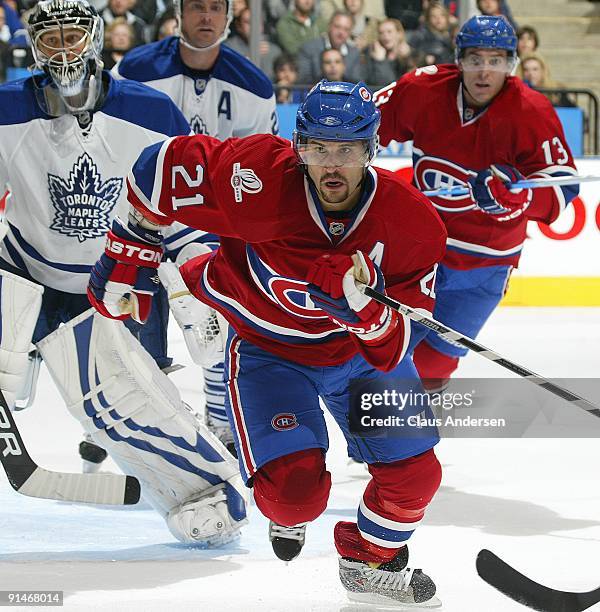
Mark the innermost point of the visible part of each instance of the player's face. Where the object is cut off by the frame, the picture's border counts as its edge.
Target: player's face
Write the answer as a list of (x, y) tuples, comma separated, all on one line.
[(337, 169), (72, 41), (483, 73), (203, 21)]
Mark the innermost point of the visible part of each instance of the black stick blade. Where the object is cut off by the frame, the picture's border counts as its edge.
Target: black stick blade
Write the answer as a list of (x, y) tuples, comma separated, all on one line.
[(525, 591)]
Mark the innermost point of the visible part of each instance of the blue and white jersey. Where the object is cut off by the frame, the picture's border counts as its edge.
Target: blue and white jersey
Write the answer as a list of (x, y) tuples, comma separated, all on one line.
[(67, 183), (234, 98)]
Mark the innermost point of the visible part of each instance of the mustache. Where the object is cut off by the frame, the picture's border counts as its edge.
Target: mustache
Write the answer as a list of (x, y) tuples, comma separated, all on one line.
[(331, 177)]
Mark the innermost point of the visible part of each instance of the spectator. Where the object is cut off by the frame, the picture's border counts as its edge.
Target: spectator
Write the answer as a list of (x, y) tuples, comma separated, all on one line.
[(373, 8), (286, 78), (535, 72), (337, 37), (332, 65), (273, 11), (166, 25), (237, 6), (241, 43), (408, 12), (122, 8), (527, 41), (13, 32), (298, 26), (4, 46), (432, 40), (145, 10), (364, 31), (494, 8), (390, 56), (118, 39)]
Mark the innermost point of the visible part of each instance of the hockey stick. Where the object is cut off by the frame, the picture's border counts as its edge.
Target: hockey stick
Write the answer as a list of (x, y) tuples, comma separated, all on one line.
[(524, 184), (28, 478), (525, 591), (457, 339)]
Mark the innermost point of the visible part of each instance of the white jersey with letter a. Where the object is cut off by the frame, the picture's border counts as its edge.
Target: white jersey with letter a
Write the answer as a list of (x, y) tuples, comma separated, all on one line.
[(234, 98), (67, 183)]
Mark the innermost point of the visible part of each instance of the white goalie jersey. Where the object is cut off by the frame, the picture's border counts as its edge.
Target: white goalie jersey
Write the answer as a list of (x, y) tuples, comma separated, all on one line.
[(67, 183)]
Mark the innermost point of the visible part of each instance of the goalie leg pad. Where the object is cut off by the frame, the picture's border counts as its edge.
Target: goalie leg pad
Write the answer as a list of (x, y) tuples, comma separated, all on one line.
[(20, 303), (131, 408)]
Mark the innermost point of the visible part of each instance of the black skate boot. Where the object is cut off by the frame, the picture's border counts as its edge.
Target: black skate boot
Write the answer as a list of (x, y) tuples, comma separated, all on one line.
[(390, 583), (287, 542), (91, 454)]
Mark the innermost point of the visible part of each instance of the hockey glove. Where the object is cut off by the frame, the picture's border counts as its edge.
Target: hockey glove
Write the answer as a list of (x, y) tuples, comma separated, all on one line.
[(124, 279), (492, 196), (333, 288)]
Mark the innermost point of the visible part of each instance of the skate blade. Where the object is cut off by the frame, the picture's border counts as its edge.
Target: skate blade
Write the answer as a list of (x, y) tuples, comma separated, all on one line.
[(386, 603)]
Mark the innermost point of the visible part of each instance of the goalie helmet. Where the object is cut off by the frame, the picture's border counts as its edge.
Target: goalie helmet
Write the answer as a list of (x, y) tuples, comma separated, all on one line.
[(335, 110), (178, 5), (67, 38)]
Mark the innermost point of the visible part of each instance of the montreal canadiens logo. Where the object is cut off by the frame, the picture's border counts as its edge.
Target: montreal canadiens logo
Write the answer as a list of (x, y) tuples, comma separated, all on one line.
[(83, 202), (435, 173), (284, 421), (365, 94)]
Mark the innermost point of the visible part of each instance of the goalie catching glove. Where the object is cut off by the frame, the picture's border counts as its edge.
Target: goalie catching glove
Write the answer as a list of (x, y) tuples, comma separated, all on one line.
[(124, 279), (493, 196), (334, 289)]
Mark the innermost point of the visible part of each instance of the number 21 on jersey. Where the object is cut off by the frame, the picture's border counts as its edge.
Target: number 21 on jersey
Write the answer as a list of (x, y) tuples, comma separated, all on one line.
[(190, 182)]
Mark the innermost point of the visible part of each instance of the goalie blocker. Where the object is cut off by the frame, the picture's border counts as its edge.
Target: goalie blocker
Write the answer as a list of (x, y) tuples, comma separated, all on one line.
[(130, 408)]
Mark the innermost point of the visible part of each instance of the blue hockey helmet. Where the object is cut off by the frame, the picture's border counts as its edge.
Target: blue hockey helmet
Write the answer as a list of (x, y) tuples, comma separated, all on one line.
[(335, 110), (487, 32)]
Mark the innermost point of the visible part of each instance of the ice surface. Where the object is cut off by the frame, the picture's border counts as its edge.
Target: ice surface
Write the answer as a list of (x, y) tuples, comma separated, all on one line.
[(536, 503)]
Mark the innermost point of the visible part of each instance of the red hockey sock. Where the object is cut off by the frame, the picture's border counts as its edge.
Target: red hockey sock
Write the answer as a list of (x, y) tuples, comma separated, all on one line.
[(434, 367), (399, 493), (294, 488), (349, 543)]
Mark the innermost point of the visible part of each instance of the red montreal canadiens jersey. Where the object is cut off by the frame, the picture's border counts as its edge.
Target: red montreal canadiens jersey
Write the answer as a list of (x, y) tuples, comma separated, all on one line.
[(252, 193), (519, 128)]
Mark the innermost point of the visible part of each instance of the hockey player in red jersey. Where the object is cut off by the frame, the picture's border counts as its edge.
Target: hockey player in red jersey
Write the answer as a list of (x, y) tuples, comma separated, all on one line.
[(297, 223), (473, 124)]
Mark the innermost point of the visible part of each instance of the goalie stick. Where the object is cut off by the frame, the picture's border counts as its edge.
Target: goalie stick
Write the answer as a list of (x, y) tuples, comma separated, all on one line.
[(28, 478), (525, 591), (454, 337)]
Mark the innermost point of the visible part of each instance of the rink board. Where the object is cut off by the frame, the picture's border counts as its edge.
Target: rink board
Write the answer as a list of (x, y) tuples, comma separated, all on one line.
[(560, 265)]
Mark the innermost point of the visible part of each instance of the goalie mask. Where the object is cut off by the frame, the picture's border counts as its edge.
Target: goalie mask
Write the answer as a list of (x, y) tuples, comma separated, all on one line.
[(67, 39), (203, 20)]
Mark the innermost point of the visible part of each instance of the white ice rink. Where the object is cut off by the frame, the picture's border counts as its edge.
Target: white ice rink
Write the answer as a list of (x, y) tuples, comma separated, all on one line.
[(536, 503)]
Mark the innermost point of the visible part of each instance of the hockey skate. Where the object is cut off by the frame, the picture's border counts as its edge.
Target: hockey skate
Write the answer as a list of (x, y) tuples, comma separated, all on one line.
[(391, 583), (287, 542), (224, 433)]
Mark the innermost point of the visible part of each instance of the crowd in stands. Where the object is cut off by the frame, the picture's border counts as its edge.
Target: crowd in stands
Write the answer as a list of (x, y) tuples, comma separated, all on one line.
[(303, 41)]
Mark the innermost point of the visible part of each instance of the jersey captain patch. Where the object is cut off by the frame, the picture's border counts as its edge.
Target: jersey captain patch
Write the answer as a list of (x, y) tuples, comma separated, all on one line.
[(83, 202)]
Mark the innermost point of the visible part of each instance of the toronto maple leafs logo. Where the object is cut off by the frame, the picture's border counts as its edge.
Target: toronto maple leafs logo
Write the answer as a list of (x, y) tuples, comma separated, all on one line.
[(198, 126), (83, 202)]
